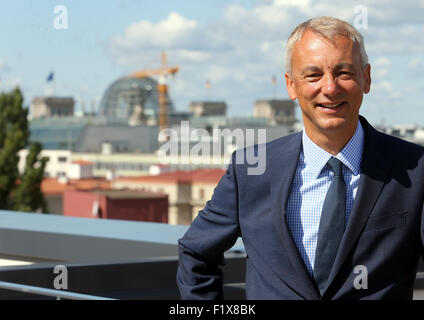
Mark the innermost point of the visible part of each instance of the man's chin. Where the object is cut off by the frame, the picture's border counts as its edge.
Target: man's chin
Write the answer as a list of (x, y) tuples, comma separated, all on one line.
[(333, 124)]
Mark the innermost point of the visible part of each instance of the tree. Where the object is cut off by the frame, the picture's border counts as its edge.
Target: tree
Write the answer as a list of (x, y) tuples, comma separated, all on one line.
[(20, 192)]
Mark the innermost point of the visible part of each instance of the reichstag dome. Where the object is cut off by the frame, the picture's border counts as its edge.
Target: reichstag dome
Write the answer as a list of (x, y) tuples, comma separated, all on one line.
[(133, 101)]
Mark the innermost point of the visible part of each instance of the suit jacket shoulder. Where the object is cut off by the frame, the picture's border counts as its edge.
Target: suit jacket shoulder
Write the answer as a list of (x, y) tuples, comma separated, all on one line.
[(397, 154)]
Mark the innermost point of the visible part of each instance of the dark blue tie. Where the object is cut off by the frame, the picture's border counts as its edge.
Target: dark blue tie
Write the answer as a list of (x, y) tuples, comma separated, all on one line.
[(331, 226)]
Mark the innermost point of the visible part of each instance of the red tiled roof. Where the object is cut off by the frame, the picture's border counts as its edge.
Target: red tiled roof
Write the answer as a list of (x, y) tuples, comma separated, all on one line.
[(181, 176), (82, 162), (53, 186)]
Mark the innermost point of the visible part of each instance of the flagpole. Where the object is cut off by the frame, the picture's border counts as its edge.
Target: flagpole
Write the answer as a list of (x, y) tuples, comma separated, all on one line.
[(50, 77)]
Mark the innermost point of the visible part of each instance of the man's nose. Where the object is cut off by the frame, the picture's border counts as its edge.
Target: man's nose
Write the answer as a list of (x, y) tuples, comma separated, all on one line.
[(329, 85)]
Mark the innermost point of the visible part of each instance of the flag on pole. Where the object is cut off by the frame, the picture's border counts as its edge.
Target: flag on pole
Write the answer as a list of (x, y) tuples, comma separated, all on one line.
[(50, 77)]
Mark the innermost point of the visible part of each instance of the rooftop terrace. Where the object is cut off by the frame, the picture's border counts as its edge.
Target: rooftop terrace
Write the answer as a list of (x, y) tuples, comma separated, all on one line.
[(104, 258)]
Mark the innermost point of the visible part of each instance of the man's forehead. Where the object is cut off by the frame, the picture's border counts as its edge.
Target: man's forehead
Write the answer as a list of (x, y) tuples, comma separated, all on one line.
[(313, 48), (314, 40), (339, 66)]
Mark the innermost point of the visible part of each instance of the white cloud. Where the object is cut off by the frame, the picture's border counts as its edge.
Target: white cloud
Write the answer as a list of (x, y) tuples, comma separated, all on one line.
[(236, 13), (292, 3), (383, 62), (217, 73), (270, 16), (393, 39), (241, 51), (191, 55), (174, 31), (385, 90), (380, 68), (383, 85)]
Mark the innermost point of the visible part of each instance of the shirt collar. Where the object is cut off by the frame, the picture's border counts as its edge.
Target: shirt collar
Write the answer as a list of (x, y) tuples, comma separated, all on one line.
[(351, 155)]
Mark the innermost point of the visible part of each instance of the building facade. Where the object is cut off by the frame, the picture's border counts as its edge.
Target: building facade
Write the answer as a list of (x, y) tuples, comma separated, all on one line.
[(188, 191), (208, 108), (278, 112), (50, 107), (116, 204)]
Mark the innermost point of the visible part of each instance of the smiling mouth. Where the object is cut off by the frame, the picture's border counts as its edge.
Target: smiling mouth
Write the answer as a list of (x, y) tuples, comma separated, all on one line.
[(331, 106)]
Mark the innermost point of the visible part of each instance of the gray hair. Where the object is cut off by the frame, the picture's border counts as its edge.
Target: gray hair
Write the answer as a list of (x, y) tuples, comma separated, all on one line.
[(329, 28)]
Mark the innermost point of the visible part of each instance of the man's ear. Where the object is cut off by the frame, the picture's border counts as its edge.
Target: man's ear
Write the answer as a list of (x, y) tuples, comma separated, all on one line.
[(290, 86), (367, 78)]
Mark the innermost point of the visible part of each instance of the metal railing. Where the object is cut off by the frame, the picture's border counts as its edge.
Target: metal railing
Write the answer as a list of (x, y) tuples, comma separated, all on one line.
[(143, 279), (59, 294)]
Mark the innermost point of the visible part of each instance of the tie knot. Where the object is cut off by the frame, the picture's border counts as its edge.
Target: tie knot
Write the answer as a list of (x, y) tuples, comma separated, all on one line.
[(335, 165)]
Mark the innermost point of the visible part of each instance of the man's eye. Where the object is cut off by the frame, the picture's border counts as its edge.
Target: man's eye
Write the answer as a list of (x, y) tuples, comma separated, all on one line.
[(313, 77)]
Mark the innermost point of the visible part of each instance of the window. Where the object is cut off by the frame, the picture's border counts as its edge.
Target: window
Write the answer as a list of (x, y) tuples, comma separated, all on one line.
[(62, 159)]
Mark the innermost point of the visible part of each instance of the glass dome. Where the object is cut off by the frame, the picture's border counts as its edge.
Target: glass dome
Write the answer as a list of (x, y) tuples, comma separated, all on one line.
[(129, 96)]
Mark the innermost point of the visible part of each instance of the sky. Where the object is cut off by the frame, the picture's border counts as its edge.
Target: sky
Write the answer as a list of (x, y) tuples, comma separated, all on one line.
[(237, 45)]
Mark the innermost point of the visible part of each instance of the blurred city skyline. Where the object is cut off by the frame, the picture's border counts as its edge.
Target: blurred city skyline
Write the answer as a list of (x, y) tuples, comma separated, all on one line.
[(236, 47)]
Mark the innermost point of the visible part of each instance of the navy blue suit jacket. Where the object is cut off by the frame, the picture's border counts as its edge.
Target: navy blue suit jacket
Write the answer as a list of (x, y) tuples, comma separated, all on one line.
[(385, 231)]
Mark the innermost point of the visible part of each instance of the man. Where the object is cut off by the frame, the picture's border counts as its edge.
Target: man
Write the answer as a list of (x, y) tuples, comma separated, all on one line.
[(337, 201)]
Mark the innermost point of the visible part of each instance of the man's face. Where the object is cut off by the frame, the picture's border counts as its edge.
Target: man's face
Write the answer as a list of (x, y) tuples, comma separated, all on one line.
[(328, 81)]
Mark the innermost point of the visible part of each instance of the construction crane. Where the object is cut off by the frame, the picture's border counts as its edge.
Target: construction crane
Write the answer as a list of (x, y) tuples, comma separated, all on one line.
[(163, 74)]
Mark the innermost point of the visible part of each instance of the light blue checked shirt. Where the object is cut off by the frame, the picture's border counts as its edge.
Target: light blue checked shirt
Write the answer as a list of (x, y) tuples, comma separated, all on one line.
[(309, 188)]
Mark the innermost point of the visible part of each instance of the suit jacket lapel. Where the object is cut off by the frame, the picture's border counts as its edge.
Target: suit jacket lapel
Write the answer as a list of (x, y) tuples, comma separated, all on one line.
[(290, 268), (374, 173)]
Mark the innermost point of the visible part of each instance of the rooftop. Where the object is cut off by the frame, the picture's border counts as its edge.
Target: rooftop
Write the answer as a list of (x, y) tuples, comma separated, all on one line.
[(127, 194), (50, 186), (105, 258), (36, 237), (82, 162), (181, 176)]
